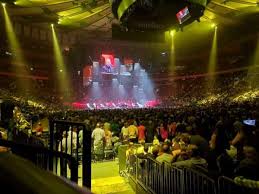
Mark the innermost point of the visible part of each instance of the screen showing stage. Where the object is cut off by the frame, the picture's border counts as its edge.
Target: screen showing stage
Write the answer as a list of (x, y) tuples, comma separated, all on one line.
[(107, 64), (183, 15)]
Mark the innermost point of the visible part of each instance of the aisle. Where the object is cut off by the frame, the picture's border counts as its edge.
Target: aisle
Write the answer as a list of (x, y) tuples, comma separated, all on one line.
[(106, 179)]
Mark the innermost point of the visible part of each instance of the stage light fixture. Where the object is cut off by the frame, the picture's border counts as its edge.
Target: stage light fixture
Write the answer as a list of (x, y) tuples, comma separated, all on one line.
[(172, 32), (3, 4), (52, 25), (213, 25)]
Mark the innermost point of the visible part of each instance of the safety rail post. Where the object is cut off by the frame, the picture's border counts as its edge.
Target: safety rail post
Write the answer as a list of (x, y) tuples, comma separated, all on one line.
[(51, 143), (86, 160), (74, 170)]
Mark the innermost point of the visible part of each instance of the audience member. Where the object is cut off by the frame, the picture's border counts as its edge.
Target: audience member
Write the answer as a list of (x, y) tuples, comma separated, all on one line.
[(165, 156)]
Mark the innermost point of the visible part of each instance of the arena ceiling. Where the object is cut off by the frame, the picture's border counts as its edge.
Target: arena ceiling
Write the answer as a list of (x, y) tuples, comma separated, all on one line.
[(96, 15)]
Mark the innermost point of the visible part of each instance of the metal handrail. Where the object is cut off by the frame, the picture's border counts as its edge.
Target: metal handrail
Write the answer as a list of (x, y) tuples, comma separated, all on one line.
[(28, 151)]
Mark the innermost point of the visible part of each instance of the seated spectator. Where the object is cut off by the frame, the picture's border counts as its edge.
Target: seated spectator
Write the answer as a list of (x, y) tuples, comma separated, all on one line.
[(165, 156), (155, 152), (140, 149), (145, 153), (130, 151), (195, 159), (201, 143), (249, 166), (155, 141)]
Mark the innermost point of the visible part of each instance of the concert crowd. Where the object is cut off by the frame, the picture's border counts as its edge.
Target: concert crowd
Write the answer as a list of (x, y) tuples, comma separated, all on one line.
[(217, 130)]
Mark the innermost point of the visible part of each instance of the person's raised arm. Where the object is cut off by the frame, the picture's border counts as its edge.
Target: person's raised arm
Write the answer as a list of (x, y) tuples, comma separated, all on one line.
[(239, 136)]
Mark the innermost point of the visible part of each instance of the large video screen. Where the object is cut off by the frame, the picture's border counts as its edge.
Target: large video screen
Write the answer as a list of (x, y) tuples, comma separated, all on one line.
[(183, 15), (107, 64)]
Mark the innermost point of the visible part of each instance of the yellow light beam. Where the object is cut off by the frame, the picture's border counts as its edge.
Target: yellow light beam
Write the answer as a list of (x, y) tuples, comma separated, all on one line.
[(63, 80), (17, 56), (14, 44), (253, 69), (213, 58), (172, 52)]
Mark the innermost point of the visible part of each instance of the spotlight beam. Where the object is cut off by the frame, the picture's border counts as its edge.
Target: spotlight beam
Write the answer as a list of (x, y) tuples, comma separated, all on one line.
[(213, 58), (253, 69), (63, 81), (172, 52), (17, 56), (14, 45)]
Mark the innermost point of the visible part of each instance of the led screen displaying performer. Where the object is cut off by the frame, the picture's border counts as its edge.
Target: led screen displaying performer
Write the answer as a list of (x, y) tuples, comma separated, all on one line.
[(107, 62), (129, 64)]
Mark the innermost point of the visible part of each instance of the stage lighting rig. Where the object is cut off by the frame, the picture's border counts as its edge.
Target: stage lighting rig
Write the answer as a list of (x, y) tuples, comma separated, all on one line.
[(157, 15)]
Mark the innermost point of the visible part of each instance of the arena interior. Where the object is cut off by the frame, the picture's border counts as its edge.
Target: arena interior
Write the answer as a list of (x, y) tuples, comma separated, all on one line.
[(129, 96)]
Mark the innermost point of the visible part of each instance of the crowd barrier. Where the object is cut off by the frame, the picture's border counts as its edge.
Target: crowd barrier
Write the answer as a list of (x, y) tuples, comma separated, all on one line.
[(228, 186), (74, 139), (122, 156), (174, 179), (157, 178), (196, 182)]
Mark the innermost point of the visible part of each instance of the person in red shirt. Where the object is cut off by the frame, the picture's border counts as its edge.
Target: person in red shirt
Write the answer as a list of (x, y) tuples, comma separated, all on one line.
[(172, 130), (39, 129), (163, 132), (141, 132)]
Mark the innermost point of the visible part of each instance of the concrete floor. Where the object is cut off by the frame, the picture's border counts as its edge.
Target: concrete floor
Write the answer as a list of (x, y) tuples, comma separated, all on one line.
[(106, 179)]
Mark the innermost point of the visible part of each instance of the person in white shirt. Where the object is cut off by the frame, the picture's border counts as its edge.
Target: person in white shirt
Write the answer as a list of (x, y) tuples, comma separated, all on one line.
[(66, 144), (98, 137), (69, 141), (72, 132)]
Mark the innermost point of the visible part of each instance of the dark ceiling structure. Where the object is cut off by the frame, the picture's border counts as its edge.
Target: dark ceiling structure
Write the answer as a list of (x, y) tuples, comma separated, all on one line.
[(237, 21), (96, 15)]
